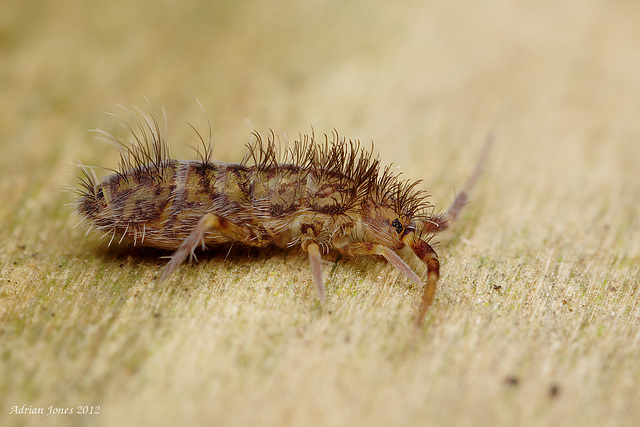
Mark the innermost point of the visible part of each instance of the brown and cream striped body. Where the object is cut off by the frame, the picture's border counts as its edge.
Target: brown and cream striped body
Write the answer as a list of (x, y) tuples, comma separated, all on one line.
[(321, 196)]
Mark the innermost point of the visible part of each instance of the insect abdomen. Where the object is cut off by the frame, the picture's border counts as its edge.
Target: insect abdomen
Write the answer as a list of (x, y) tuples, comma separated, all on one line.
[(158, 205)]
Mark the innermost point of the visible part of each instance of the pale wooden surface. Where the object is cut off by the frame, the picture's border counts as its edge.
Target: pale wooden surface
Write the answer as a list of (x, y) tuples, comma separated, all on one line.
[(536, 320)]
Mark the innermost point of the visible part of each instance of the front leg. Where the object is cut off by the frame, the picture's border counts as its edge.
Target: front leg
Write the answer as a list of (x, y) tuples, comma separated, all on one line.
[(368, 249), (426, 254)]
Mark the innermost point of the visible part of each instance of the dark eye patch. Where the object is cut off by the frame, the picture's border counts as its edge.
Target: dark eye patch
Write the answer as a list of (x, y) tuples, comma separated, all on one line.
[(396, 223)]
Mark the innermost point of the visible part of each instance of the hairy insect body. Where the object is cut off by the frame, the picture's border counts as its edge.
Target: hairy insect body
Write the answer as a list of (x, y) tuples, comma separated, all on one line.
[(318, 196), (160, 210)]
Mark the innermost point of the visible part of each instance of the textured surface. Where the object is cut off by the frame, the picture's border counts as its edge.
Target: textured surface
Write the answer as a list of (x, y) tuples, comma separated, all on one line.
[(536, 320)]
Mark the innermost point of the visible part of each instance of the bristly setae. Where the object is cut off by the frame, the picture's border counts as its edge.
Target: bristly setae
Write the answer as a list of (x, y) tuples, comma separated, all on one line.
[(319, 196)]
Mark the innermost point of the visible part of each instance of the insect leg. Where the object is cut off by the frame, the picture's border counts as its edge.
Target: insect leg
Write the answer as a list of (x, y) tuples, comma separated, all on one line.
[(425, 252), (422, 250), (367, 249), (310, 245), (208, 222), (316, 271)]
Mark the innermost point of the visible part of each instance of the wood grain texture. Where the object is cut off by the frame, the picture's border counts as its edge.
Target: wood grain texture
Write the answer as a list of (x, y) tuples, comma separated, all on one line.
[(536, 320)]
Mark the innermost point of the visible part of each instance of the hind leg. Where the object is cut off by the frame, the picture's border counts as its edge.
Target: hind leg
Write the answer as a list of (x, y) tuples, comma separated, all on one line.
[(209, 222)]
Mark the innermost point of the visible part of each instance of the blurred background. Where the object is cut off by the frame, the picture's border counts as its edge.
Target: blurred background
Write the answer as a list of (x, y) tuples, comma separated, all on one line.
[(426, 81)]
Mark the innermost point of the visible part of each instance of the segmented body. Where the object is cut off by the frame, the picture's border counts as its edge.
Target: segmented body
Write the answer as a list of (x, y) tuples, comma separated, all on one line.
[(321, 196)]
